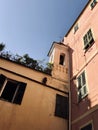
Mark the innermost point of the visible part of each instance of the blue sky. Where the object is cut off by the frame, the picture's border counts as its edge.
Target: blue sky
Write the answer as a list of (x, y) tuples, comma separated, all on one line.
[(30, 26)]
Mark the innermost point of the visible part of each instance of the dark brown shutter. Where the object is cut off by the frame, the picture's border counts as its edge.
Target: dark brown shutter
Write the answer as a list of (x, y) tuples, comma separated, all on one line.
[(2, 79), (61, 109), (20, 93)]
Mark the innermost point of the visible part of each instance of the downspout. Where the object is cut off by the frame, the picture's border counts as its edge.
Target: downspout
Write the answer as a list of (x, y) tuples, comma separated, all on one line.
[(69, 124)]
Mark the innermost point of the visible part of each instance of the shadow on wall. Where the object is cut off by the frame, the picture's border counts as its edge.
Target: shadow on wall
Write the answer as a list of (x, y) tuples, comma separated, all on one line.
[(79, 107)]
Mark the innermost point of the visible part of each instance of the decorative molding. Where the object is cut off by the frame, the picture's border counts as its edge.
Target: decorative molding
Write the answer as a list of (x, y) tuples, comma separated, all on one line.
[(84, 115)]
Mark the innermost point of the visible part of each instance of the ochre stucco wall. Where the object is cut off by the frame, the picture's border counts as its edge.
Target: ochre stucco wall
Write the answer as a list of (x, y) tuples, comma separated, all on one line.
[(38, 105)]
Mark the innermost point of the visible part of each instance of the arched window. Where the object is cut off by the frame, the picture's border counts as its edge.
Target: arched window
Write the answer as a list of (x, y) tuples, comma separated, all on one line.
[(62, 58)]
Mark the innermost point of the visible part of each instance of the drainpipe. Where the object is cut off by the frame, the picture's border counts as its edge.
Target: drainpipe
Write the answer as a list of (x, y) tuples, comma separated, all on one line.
[(69, 108), (69, 94)]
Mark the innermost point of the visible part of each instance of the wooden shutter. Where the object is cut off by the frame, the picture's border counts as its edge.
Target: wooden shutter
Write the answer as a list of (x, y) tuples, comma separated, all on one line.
[(61, 109), (20, 93), (93, 4), (2, 80), (79, 82), (82, 89), (82, 92), (76, 27), (83, 79), (90, 36), (85, 40)]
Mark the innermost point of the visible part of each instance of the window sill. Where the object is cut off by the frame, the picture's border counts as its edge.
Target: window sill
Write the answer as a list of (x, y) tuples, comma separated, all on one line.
[(82, 98), (6, 101)]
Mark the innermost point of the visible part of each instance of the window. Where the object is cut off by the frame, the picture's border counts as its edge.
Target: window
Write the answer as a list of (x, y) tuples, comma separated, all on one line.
[(10, 90), (87, 127), (76, 27), (61, 109), (88, 39), (93, 3), (62, 58), (82, 89)]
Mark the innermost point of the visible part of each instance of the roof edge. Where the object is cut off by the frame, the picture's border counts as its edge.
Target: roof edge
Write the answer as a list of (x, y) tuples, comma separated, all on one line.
[(24, 65), (77, 18), (59, 43)]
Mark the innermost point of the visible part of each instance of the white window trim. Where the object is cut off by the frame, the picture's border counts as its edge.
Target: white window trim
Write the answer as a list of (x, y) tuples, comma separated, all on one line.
[(82, 87), (90, 28), (89, 122)]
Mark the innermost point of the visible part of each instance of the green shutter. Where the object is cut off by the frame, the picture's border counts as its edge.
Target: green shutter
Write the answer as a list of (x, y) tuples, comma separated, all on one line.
[(85, 89), (88, 39), (85, 40), (83, 79), (82, 90), (90, 36), (79, 95), (93, 4), (79, 82), (76, 27)]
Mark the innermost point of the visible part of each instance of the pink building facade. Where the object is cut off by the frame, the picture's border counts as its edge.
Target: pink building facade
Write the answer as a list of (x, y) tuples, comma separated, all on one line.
[(68, 98), (82, 38)]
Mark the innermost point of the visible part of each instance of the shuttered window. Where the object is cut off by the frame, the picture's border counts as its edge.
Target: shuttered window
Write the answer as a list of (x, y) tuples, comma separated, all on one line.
[(82, 89), (93, 3), (88, 39), (11, 91), (61, 107), (76, 27)]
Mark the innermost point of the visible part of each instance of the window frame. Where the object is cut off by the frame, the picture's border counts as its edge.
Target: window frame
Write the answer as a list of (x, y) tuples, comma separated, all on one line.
[(88, 123), (93, 4), (82, 90), (62, 107), (76, 27), (4, 87), (19, 89), (88, 39)]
